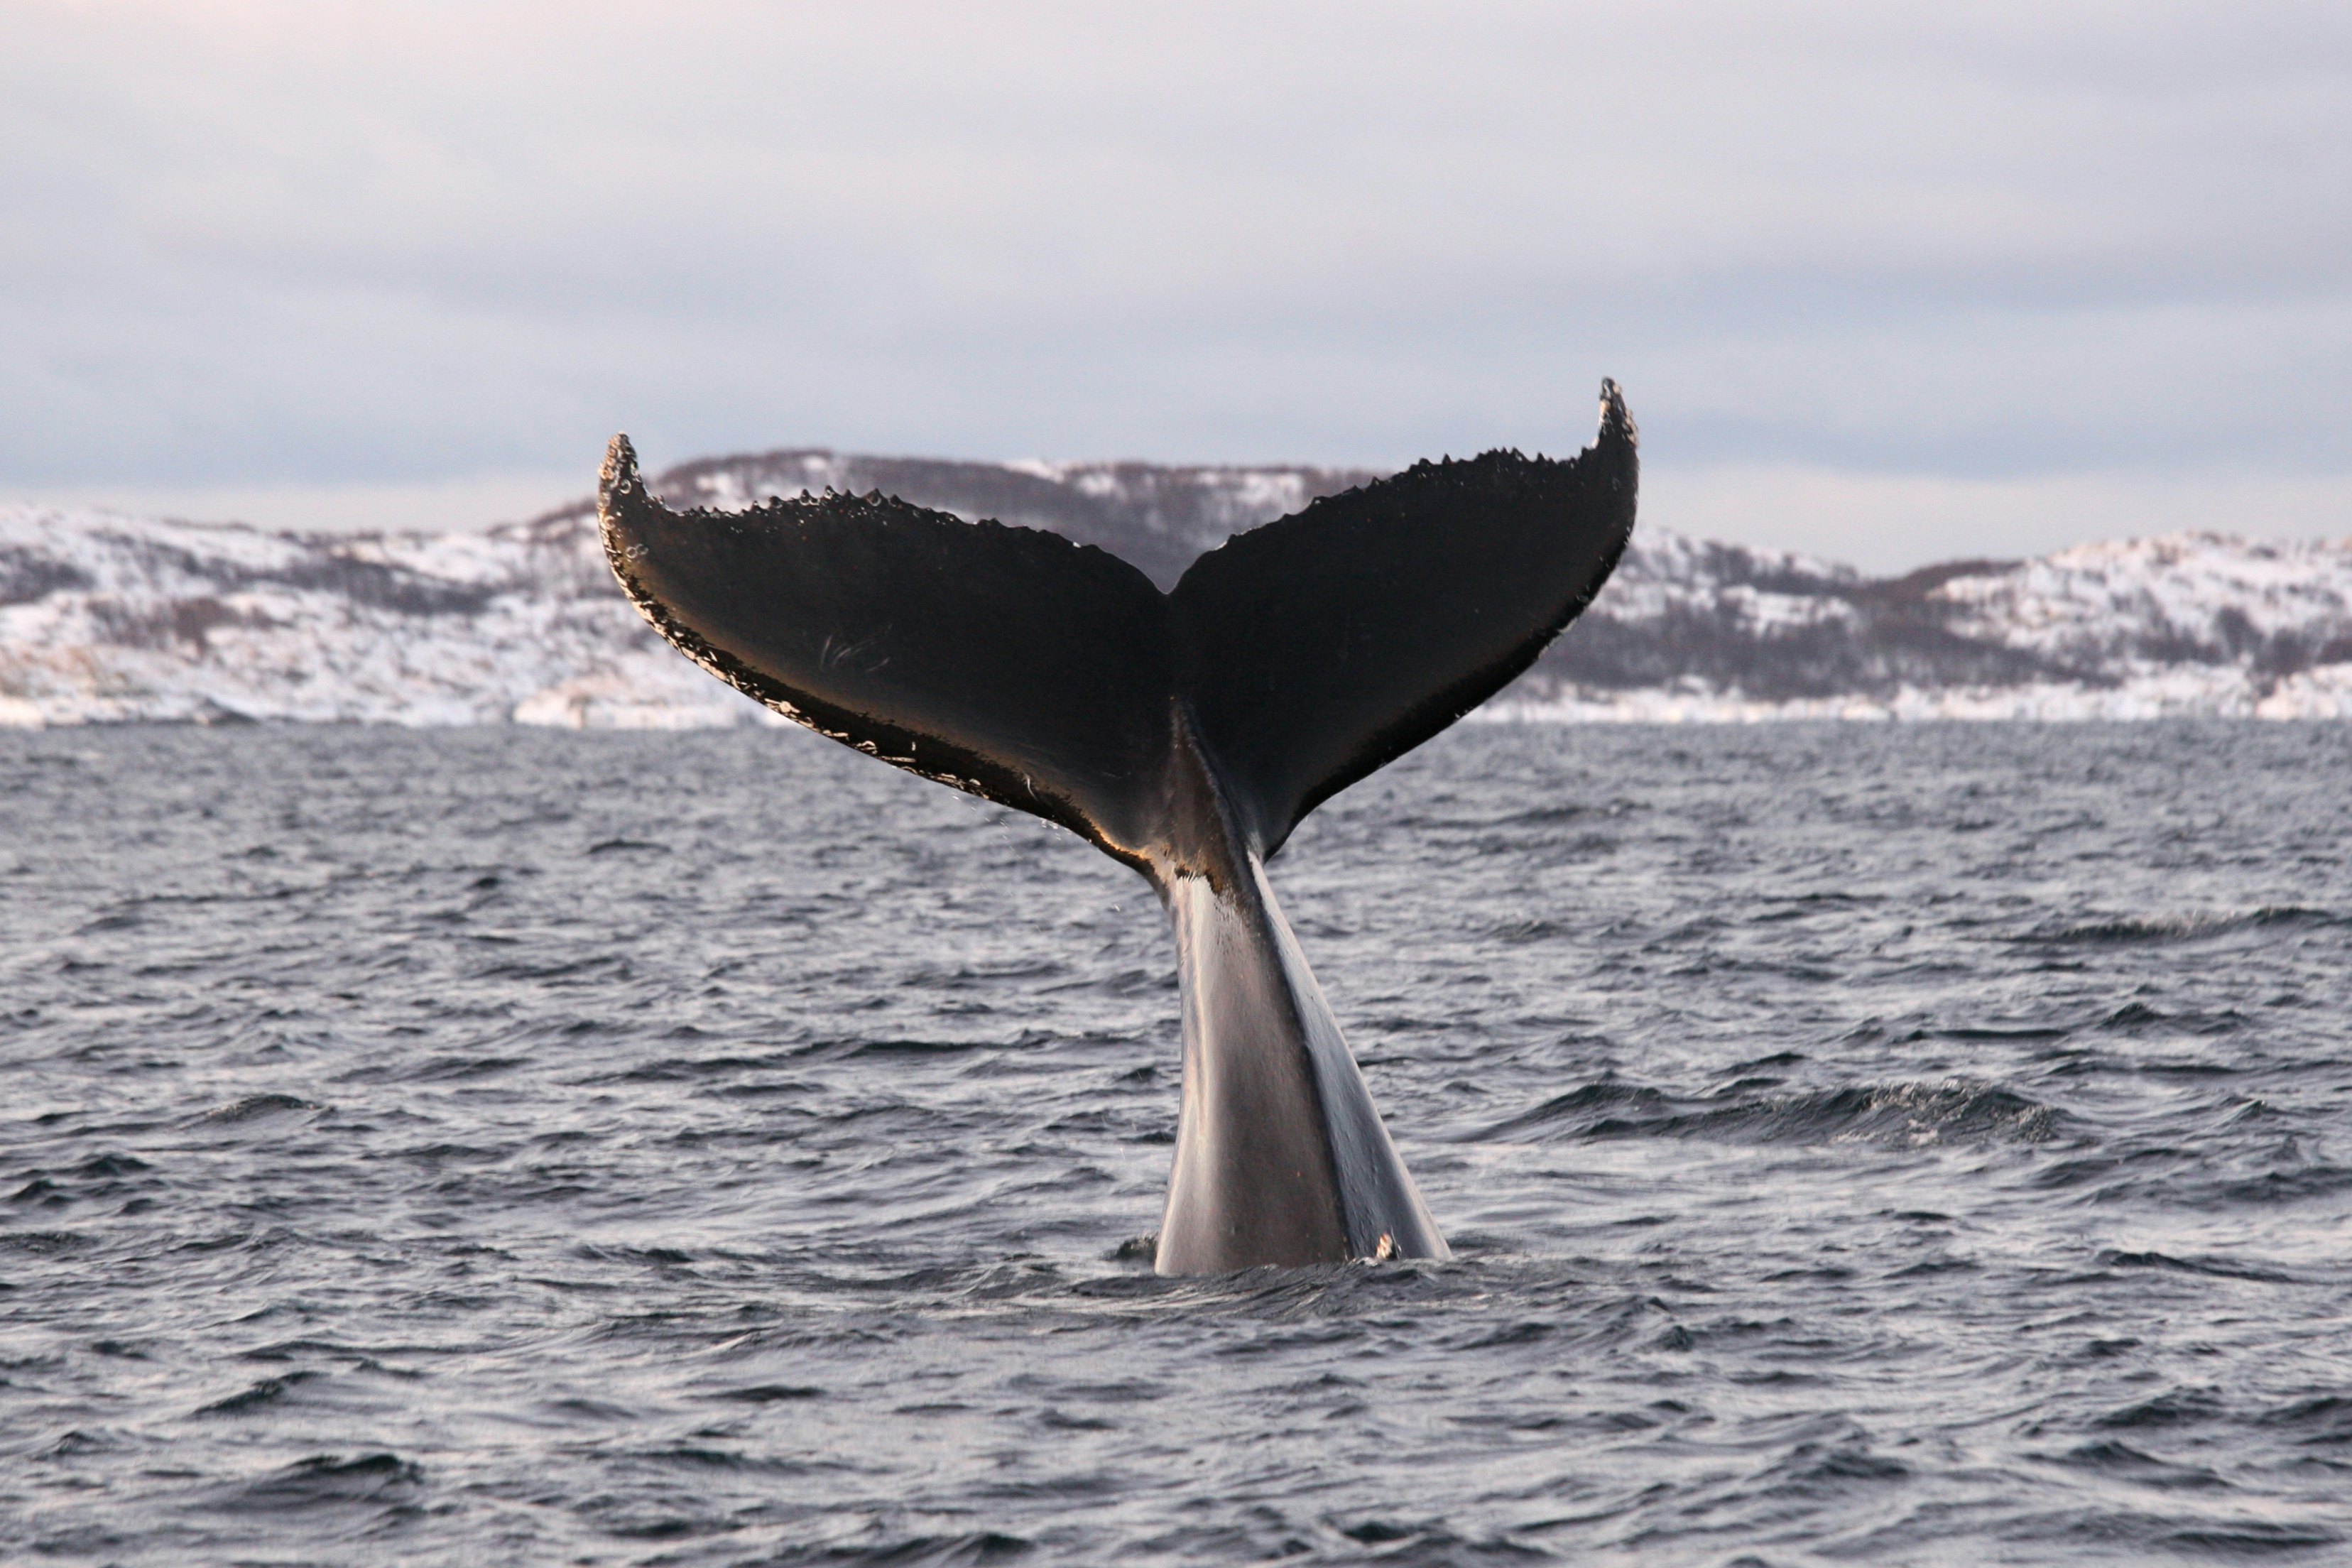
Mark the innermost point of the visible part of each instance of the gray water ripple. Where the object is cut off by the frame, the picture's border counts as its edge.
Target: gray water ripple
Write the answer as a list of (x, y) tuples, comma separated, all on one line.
[(1912, 1145)]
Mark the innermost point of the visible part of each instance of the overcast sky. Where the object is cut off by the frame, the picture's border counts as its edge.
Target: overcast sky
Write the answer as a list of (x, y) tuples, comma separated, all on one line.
[(1891, 283)]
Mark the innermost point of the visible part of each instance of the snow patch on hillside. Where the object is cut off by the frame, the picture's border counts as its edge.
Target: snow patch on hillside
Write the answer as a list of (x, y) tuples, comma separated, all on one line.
[(105, 617)]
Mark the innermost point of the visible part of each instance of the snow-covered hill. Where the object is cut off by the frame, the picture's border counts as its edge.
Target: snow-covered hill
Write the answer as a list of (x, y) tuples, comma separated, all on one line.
[(2185, 624), (110, 617), (106, 618)]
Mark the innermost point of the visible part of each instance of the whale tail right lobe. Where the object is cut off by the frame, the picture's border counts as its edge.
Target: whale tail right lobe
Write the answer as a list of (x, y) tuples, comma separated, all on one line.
[(1186, 734)]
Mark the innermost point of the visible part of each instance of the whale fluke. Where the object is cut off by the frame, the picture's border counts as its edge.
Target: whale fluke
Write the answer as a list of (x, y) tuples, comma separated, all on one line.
[(1186, 734)]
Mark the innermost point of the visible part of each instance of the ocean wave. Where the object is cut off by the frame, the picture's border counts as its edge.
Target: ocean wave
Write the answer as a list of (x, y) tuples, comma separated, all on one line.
[(1915, 1114), (2183, 927)]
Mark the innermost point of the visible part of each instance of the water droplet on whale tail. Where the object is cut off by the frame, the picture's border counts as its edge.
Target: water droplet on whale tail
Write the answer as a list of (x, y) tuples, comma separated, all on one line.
[(1185, 733)]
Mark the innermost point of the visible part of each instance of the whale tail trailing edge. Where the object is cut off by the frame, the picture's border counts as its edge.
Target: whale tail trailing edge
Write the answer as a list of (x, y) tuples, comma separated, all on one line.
[(1186, 734)]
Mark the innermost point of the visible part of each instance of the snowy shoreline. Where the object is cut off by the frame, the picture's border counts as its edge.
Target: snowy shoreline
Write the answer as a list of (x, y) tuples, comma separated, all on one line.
[(110, 618)]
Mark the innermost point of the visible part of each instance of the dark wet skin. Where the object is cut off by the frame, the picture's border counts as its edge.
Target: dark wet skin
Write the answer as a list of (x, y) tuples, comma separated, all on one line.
[(1185, 735)]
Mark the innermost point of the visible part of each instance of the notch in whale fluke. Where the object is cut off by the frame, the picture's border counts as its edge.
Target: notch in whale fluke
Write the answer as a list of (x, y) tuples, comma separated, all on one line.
[(1185, 733)]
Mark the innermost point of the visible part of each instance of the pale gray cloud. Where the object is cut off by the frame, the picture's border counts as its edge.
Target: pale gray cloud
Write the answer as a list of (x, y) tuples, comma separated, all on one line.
[(304, 243)]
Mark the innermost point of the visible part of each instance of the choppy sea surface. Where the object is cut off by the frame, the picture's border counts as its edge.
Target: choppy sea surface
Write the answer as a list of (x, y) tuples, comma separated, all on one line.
[(1917, 1145)]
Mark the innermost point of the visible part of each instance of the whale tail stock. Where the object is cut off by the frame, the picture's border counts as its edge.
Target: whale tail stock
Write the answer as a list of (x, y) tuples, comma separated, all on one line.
[(1186, 734)]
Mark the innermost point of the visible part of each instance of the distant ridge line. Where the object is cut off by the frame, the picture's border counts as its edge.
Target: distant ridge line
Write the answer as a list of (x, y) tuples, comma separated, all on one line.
[(106, 618)]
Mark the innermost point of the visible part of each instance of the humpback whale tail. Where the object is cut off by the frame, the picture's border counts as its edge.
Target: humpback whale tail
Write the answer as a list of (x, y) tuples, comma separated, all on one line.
[(1186, 734)]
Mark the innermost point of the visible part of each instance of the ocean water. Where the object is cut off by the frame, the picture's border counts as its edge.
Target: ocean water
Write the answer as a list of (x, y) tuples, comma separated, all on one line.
[(1863, 1144)]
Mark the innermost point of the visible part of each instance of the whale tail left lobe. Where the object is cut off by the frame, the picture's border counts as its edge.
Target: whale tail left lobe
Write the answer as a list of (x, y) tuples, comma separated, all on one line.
[(1186, 734)]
